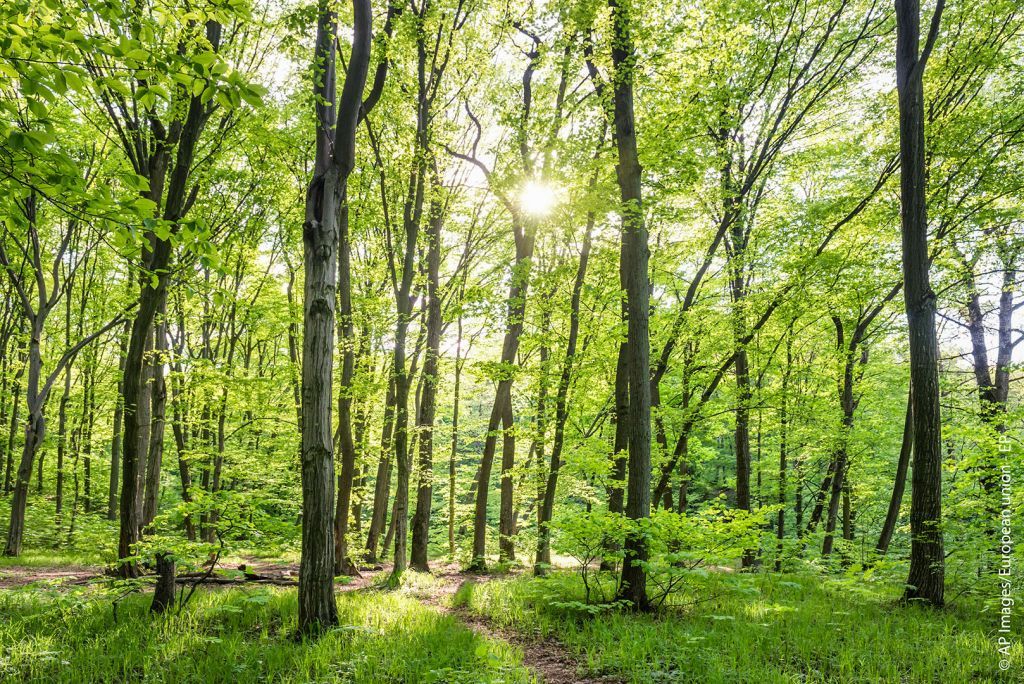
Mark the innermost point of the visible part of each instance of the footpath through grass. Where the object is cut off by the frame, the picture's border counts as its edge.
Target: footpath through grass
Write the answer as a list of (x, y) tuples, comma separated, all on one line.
[(240, 635), (758, 629)]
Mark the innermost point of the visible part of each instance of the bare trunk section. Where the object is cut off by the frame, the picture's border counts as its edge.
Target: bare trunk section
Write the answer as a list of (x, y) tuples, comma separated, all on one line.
[(158, 398), (428, 399), (633, 583), (382, 483), (927, 558), (899, 481)]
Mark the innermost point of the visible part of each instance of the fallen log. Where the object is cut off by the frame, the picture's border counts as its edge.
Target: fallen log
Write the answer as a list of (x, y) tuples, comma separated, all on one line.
[(278, 581)]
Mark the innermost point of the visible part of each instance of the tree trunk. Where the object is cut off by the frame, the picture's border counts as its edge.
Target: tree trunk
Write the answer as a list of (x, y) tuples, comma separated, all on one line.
[(543, 559), (506, 515), (927, 558), (455, 437), (163, 593), (780, 524), (633, 583), (892, 516), (158, 398), (428, 399), (12, 435), (382, 483), (115, 442), (89, 421), (35, 430), (62, 443), (342, 563)]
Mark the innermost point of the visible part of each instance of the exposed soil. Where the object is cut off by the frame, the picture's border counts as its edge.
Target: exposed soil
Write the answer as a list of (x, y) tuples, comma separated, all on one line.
[(12, 576), (547, 658)]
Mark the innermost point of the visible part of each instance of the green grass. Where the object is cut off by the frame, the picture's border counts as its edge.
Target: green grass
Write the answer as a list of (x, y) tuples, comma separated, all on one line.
[(240, 635), (51, 559), (759, 629)]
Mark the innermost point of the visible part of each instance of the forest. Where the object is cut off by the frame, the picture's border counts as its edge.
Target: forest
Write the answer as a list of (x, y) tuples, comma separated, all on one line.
[(549, 341)]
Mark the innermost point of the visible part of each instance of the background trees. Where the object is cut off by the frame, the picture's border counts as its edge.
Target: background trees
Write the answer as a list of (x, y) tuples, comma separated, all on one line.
[(481, 263)]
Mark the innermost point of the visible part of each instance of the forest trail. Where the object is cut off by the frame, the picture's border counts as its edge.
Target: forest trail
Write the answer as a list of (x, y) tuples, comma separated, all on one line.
[(546, 657), (13, 576)]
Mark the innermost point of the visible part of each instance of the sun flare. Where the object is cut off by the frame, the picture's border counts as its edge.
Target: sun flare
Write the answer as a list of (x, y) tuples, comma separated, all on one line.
[(537, 199)]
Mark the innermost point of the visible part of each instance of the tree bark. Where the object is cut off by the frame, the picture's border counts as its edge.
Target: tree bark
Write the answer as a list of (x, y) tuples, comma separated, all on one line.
[(428, 398), (158, 398), (382, 483), (633, 583), (115, 442), (899, 482), (927, 559), (335, 155)]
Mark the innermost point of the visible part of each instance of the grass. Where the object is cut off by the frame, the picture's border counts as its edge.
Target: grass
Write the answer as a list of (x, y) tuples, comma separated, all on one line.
[(758, 629), (240, 635), (35, 558)]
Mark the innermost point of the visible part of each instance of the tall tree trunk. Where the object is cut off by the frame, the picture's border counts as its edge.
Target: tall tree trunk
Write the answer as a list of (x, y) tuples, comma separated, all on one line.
[(453, 455), (428, 399), (35, 429), (12, 434), (780, 523), (115, 442), (500, 417), (89, 421), (62, 443), (335, 157), (158, 398), (633, 583), (382, 483), (506, 514), (342, 564), (927, 559), (620, 446), (181, 443), (849, 406)]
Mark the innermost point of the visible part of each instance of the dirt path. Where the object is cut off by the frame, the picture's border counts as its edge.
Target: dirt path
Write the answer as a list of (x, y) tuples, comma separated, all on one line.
[(547, 658), (13, 576)]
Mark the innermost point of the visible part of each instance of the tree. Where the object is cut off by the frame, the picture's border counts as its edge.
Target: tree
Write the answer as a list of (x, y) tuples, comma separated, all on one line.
[(336, 122), (635, 281), (927, 558)]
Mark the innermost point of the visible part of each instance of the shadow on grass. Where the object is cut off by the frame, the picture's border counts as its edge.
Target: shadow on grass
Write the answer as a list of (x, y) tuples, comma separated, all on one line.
[(241, 635)]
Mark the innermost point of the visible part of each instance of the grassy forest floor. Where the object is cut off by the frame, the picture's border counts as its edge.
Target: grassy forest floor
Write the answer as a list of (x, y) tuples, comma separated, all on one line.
[(65, 622)]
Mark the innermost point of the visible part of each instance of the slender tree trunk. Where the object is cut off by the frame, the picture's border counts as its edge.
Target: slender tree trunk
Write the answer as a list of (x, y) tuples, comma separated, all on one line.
[(158, 398), (780, 523), (35, 429), (115, 442), (453, 455), (335, 157), (428, 399), (346, 333), (506, 515), (633, 583), (62, 443), (382, 483), (12, 435), (89, 421), (899, 482), (543, 559), (620, 446), (181, 443), (927, 558), (500, 417)]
